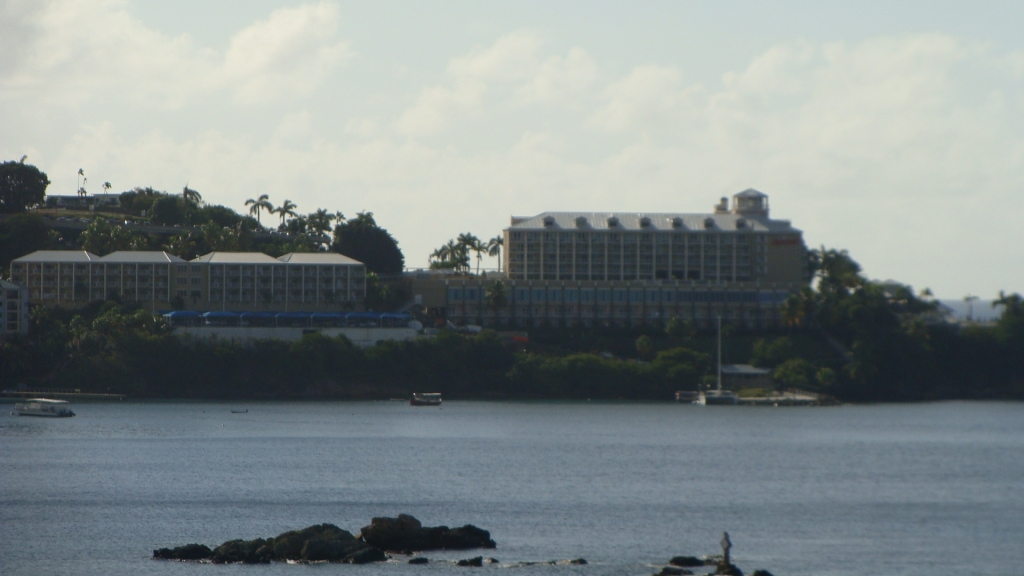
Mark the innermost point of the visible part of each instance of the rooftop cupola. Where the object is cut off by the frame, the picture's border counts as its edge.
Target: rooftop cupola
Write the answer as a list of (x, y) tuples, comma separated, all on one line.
[(723, 206), (750, 202)]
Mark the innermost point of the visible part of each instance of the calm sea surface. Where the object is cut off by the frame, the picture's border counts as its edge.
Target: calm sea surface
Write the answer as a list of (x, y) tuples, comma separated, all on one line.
[(929, 489)]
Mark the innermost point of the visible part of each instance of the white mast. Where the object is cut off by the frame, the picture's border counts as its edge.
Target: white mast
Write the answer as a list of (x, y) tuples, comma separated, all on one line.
[(719, 354)]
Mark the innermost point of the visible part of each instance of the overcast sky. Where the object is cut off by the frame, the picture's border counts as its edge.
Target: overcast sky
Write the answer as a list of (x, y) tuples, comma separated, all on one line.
[(893, 130)]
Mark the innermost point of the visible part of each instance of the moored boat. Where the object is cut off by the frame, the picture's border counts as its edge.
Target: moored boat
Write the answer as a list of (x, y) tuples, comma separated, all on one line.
[(44, 407), (425, 399)]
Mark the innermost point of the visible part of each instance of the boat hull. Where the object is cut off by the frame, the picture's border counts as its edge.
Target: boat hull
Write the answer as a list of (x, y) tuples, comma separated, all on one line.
[(425, 399), (44, 408)]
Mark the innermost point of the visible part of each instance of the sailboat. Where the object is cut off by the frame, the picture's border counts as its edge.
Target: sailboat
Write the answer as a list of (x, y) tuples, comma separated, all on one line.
[(717, 396)]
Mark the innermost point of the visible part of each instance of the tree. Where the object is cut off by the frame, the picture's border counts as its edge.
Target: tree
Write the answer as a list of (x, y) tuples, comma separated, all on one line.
[(22, 234), (81, 182), (494, 246), (258, 205), (645, 346), (181, 245), (191, 195), (106, 187), (472, 244), (169, 210), (100, 238), (285, 210), (360, 238), (496, 295), (21, 186), (794, 373), (682, 330), (320, 221)]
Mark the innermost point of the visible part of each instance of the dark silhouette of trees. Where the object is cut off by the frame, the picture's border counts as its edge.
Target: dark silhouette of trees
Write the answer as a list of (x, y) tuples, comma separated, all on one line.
[(21, 186), (360, 238)]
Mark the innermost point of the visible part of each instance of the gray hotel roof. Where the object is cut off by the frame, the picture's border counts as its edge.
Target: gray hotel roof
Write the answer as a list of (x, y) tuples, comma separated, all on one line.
[(659, 221), (80, 256), (59, 256), (237, 258), (141, 257), (318, 258)]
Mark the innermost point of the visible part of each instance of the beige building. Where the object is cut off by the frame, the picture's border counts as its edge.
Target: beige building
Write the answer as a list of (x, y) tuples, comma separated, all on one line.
[(233, 281), (737, 244), (633, 269), (13, 309)]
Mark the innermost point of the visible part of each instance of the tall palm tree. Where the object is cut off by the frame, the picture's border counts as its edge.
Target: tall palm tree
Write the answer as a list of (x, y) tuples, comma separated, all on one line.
[(473, 244), (191, 195), (494, 246), (107, 186), (81, 182), (286, 209), (259, 205)]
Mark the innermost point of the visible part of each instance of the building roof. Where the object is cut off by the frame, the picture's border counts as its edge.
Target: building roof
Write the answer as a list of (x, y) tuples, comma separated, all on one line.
[(141, 257), (655, 222), (317, 258), (237, 258), (750, 193), (5, 285), (58, 256)]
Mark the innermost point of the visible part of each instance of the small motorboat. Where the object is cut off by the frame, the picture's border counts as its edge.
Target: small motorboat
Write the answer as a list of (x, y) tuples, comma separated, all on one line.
[(425, 399), (44, 407)]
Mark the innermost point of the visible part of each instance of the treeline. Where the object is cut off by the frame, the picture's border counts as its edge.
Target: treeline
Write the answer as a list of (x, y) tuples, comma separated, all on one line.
[(111, 348)]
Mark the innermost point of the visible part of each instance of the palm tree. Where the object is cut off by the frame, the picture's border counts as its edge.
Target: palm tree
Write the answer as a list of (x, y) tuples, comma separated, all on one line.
[(494, 246), (320, 221), (472, 243), (106, 187), (286, 209), (258, 205), (81, 182), (191, 195), (970, 306)]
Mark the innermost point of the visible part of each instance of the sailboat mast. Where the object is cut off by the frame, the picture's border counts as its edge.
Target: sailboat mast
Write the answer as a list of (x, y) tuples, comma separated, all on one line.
[(719, 353)]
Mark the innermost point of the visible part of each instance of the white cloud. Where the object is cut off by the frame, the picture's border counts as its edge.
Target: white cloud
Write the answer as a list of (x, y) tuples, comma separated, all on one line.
[(514, 65), (288, 53), (65, 53)]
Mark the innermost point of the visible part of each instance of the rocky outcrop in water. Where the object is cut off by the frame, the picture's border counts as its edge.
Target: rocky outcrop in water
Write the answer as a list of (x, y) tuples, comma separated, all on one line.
[(686, 561), (320, 543), (406, 533)]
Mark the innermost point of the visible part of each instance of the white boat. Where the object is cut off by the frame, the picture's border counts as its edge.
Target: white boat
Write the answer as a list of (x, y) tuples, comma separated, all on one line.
[(44, 407), (717, 396), (425, 399)]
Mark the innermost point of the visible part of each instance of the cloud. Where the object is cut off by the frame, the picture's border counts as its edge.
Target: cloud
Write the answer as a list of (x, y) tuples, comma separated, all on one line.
[(65, 53), (288, 53), (513, 66)]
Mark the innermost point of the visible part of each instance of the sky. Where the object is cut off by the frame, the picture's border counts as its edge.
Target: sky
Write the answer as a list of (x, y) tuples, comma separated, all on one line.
[(894, 130)]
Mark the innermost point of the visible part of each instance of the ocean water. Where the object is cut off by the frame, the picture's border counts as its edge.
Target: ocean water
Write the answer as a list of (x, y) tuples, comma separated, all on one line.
[(930, 489)]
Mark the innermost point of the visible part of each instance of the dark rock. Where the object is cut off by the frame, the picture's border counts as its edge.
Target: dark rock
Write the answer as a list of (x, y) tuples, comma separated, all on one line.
[(318, 543), (475, 562), (406, 533), (579, 561), (761, 573), (725, 569), (686, 561), (242, 552), (186, 552), (366, 555), (419, 560), (673, 571)]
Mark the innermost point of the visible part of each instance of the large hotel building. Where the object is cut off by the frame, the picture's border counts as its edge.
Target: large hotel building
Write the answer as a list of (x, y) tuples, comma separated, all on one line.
[(231, 281), (631, 269)]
